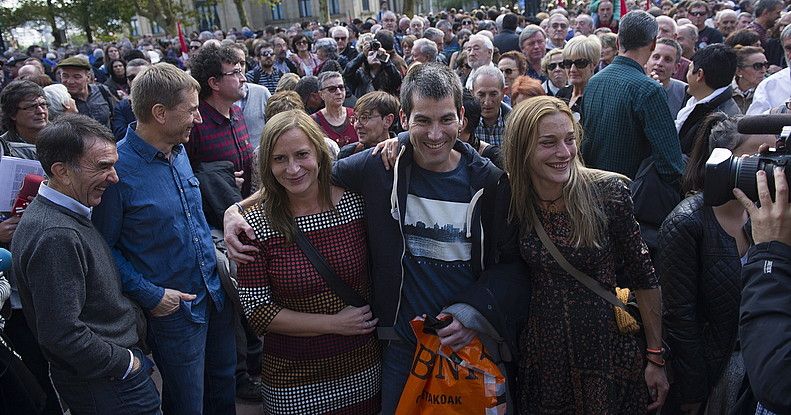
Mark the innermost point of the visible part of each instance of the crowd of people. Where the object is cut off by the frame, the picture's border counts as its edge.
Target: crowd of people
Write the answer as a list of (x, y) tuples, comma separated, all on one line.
[(259, 215)]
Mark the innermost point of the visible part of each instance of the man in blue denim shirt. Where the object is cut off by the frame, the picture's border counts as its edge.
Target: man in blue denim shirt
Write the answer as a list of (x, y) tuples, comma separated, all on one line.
[(154, 222)]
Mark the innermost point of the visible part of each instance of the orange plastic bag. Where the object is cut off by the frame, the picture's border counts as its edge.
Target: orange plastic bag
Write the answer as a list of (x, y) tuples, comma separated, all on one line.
[(444, 382)]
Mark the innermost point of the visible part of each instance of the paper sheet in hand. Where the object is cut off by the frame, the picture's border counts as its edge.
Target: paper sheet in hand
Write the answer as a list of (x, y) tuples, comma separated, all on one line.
[(12, 173)]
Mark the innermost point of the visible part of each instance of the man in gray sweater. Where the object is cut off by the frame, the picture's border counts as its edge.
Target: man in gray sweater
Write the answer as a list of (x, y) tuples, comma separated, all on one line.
[(68, 283)]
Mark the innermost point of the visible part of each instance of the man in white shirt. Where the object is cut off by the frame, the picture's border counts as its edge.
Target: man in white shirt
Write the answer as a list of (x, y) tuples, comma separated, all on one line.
[(776, 89)]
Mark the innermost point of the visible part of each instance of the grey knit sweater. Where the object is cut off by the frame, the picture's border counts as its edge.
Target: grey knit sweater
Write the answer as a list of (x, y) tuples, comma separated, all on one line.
[(71, 293)]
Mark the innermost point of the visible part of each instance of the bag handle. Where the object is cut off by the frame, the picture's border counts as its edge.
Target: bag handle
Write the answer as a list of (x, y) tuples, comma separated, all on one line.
[(343, 290), (584, 279)]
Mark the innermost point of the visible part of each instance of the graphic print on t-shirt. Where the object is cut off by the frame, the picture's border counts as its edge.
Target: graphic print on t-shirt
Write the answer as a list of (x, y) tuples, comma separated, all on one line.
[(437, 229)]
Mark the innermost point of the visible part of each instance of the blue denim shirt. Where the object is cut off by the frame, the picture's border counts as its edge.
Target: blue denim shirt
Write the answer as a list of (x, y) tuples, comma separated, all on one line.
[(153, 221)]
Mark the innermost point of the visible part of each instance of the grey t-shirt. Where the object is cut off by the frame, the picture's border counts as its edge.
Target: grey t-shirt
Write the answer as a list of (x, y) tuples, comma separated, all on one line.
[(676, 96)]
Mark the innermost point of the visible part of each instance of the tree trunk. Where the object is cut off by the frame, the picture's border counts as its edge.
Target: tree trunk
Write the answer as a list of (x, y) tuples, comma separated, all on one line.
[(324, 11), (53, 24), (242, 13), (409, 8)]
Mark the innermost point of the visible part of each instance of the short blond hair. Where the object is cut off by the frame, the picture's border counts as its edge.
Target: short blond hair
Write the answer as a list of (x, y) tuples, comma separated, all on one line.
[(162, 84), (588, 47)]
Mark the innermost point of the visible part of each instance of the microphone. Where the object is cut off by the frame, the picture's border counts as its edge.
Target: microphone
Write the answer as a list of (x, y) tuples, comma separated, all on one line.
[(5, 260), (764, 124), (29, 188)]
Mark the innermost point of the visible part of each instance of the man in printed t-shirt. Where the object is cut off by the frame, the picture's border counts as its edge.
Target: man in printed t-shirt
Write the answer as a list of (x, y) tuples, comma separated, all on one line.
[(431, 205)]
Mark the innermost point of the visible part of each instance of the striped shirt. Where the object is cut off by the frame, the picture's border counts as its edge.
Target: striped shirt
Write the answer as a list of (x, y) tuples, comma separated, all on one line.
[(220, 138)]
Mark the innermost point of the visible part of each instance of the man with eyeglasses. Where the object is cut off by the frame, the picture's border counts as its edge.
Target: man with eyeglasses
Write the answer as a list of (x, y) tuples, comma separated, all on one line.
[(346, 51), (265, 73), (93, 100), (122, 113), (557, 29), (223, 134), (698, 12)]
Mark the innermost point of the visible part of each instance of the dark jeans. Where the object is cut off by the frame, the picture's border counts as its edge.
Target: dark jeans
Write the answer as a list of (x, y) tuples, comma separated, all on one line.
[(248, 350), (135, 395), (197, 361), (26, 346), (396, 362)]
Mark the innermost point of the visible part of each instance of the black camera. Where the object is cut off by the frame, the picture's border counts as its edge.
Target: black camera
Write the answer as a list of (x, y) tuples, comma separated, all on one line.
[(724, 171), (375, 45)]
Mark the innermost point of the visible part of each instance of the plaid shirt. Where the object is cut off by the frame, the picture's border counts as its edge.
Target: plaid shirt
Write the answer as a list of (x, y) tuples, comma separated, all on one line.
[(760, 410), (494, 134), (220, 138), (268, 80), (626, 120)]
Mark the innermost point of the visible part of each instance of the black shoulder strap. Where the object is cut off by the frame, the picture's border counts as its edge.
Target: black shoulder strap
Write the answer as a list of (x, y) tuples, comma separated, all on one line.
[(343, 290), (106, 95)]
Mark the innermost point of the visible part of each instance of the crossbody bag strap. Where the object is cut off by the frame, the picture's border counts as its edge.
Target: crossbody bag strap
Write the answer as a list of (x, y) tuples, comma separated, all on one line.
[(343, 290), (584, 279)]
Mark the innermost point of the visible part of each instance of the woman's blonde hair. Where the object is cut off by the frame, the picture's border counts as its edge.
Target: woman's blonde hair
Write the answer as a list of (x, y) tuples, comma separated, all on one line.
[(588, 47), (274, 196), (584, 205)]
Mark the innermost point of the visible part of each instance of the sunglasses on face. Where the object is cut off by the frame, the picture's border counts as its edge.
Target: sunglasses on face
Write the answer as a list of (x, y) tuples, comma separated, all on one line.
[(698, 14), (193, 47), (334, 88), (758, 66), (466, 22), (338, 39), (579, 63), (554, 65), (509, 71), (265, 53), (130, 78)]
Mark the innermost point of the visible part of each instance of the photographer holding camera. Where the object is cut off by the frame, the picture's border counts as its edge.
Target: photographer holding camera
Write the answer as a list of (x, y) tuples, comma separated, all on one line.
[(372, 70), (765, 315)]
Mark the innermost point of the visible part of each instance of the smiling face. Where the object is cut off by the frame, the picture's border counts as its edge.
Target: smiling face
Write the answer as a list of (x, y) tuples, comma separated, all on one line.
[(76, 80), (556, 148), (433, 128), (95, 173), (294, 164), (32, 115), (179, 120)]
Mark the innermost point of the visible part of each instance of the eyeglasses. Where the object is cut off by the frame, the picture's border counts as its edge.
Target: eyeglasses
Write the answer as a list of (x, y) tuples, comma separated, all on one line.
[(334, 88), (560, 26), (698, 14), (194, 47), (508, 71), (38, 104), (579, 63), (363, 119), (265, 53), (466, 22), (758, 66), (301, 42), (552, 66), (338, 39), (235, 72)]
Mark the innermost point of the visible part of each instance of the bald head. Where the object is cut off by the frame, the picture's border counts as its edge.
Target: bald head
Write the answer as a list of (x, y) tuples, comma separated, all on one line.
[(29, 72), (667, 27)]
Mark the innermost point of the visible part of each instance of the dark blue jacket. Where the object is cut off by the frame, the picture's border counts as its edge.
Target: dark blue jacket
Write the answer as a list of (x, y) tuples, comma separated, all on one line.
[(122, 117)]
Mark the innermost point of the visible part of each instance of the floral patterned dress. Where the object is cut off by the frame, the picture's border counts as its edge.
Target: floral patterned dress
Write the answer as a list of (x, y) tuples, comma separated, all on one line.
[(573, 358)]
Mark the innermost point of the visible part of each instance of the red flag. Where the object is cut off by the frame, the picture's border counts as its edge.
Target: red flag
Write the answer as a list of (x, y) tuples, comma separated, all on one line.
[(183, 42), (561, 3), (623, 8)]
